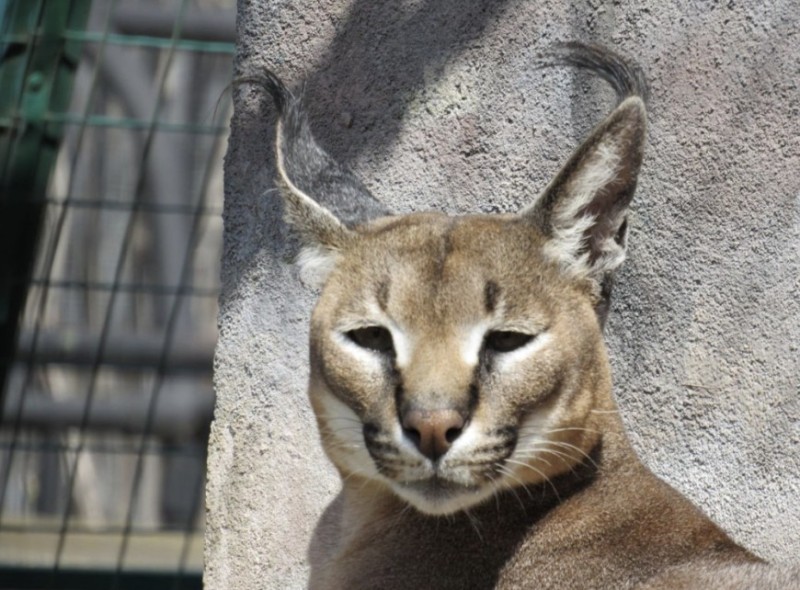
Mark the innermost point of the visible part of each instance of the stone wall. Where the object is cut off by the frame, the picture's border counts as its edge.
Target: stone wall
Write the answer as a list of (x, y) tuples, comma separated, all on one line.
[(435, 104)]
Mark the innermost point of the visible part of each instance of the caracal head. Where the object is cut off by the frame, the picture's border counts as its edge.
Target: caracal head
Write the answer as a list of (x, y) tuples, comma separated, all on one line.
[(455, 357), (451, 359)]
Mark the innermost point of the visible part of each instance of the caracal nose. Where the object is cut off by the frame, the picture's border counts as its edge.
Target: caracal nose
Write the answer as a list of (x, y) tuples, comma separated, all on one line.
[(433, 431)]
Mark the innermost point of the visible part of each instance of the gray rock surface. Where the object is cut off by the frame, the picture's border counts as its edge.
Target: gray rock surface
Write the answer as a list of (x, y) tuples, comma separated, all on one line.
[(435, 104)]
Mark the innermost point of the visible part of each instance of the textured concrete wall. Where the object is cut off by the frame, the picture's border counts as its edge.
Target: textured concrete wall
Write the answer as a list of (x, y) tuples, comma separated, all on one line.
[(435, 104)]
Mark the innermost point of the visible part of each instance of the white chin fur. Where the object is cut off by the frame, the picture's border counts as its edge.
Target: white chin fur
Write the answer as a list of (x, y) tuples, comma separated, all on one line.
[(443, 503)]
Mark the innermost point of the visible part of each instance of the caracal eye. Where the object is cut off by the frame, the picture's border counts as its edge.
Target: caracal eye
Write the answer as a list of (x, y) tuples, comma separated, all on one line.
[(375, 338), (506, 340)]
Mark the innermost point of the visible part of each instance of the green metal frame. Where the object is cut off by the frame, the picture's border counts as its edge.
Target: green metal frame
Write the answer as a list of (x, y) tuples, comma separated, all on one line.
[(40, 48), (37, 69)]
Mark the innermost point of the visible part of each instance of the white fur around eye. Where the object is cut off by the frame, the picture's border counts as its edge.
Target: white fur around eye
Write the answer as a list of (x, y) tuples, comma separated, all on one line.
[(472, 342), (507, 360), (370, 359), (402, 346), (401, 343)]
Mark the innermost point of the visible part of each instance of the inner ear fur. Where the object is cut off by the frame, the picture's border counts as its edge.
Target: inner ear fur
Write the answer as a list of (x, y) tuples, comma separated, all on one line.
[(582, 212)]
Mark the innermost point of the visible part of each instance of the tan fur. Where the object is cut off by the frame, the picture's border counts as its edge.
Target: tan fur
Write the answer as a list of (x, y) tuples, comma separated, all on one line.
[(484, 335), (608, 525)]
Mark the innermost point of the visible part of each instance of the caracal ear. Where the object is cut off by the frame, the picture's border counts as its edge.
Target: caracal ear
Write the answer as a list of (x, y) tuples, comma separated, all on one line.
[(582, 212), (323, 201)]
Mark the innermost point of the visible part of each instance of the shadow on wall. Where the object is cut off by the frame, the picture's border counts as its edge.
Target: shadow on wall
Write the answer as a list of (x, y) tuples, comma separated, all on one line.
[(381, 55)]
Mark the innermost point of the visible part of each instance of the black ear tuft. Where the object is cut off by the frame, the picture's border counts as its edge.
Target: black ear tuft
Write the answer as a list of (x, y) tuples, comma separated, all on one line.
[(307, 167), (274, 86), (624, 76)]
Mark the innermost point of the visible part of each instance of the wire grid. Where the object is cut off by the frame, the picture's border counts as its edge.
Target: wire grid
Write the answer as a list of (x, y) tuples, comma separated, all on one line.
[(106, 412)]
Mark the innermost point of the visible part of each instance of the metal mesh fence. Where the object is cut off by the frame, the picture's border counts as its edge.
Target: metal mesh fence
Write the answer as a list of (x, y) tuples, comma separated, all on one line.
[(107, 397)]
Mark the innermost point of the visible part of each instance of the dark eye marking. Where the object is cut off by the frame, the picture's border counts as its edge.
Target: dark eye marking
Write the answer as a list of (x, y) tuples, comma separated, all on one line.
[(383, 294), (491, 292), (506, 340), (375, 338)]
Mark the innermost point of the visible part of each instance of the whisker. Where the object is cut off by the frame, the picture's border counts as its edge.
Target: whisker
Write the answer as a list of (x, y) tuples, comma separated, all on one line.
[(559, 454), (406, 509), (332, 439), (496, 494), (571, 446), (341, 429), (338, 431), (329, 439), (358, 473), (364, 484), (576, 428), (509, 473), (506, 485), (399, 516), (343, 447), (539, 431), (474, 522), (532, 468), (555, 430), (344, 418), (532, 453)]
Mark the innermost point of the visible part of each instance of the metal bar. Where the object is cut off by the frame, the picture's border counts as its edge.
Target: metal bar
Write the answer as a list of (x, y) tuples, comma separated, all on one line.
[(116, 123), (183, 417), (165, 208), (126, 287), (155, 43), (135, 41), (154, 447), (85, 529), (137, 351), (207, 25)]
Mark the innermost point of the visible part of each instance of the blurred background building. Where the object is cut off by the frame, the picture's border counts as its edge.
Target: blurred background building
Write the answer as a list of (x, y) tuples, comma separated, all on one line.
[(113, 124)]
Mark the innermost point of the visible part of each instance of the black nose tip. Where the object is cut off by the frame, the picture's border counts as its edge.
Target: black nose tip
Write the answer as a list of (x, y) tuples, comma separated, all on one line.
[(433, 431)]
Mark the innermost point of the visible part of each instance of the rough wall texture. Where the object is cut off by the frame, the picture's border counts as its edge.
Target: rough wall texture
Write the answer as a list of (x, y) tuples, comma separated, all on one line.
[(435, 104)]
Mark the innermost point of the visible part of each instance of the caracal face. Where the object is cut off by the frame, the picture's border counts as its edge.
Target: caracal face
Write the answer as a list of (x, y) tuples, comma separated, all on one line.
[(451, 359)]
